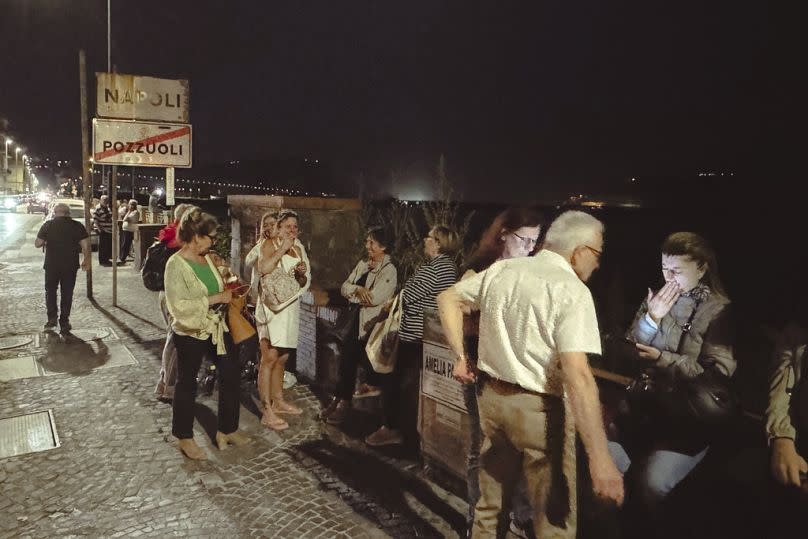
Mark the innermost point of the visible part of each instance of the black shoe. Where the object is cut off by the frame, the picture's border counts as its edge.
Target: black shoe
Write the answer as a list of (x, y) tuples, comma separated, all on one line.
[(328, 410), (65, 326), (105, 264), (341, 411), (51, 323), (122, 262)]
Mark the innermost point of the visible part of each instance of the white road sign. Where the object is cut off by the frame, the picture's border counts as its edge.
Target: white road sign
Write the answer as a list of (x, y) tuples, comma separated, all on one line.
[(141, 144), (131, 97)]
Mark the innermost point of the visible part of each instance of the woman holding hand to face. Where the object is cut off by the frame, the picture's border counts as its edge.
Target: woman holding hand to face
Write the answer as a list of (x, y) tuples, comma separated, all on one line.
[(682, 331)]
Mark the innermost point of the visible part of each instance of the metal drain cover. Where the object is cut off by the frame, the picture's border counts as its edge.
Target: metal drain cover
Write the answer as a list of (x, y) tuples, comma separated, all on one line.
[(18, 367), (15, 341), (27, 433), (94, 334)]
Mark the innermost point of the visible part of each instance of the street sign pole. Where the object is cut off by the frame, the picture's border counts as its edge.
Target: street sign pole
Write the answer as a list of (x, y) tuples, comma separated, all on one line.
[(113, 189), (86, 165), (170, 186), (141, 121)]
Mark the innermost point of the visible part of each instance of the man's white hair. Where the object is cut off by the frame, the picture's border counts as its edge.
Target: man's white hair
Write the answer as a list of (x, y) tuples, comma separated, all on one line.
[(572, 229)]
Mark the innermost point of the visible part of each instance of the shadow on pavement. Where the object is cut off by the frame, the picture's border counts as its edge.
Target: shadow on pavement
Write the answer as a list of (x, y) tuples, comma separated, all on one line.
[(376, 489), (119, 324), (67, 354), (161, 327), (207, 419)]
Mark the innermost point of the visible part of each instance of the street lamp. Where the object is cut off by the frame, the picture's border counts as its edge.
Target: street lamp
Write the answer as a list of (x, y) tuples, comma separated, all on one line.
[(5, 163), (25, 186)]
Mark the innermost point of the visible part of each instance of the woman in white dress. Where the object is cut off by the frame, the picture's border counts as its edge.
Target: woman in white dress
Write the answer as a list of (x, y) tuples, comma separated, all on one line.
[(269, 231), (278, 325)]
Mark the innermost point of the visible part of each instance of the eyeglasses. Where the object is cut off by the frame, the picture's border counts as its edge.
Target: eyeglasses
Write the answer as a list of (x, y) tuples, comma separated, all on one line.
[(526, 241), (595, 251)]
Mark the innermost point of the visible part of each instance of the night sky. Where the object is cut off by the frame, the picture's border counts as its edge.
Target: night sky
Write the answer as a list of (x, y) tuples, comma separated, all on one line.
[(523, 98)]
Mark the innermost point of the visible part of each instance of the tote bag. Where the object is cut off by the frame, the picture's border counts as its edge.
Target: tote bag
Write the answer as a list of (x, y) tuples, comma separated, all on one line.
[(382, 346)]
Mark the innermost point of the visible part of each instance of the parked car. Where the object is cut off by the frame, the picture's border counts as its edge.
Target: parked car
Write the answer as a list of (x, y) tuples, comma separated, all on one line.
[(38, 204), (9, 203), (76, 206)]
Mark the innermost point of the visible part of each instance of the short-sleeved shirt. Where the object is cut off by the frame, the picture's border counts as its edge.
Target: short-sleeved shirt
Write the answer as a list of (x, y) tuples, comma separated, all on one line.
[(103, 218), (62, 236), (531, 310)]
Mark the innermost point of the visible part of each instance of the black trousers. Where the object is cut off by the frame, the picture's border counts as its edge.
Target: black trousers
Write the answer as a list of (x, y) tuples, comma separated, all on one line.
[(400, 388), (126, 244), (65, 279), (190, 353), (354, 354), (104, 247)]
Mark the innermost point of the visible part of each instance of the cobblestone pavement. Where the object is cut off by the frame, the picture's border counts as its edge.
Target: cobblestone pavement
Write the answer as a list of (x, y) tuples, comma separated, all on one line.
[(118, 471)]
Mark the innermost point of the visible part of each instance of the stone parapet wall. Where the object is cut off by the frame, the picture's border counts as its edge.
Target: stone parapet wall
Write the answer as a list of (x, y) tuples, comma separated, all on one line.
[(329, 229)]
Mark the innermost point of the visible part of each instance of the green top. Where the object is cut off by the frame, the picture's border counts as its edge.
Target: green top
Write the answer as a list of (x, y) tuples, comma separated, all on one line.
[(205, 274)]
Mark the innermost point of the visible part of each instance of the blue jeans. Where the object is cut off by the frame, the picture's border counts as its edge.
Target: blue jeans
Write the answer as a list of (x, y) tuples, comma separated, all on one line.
[(660, 471)]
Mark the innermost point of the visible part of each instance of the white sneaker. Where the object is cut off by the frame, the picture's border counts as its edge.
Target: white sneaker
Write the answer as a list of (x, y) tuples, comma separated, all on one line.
[(289, 379)]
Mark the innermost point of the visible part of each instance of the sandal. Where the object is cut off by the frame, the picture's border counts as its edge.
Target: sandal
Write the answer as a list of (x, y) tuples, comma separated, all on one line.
[(283, 407), (192, 451), (366, 390), (269, 419)]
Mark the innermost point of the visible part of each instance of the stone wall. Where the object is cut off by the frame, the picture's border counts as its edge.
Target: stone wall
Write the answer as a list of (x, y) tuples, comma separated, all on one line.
[(329, 229), (317, 357)]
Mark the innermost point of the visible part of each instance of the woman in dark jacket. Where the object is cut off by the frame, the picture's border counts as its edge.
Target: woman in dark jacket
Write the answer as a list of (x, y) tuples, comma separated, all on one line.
[(682, 330)]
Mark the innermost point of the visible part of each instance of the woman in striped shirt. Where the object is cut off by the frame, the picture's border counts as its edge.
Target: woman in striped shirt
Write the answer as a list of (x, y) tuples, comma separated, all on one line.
[(419, 293)]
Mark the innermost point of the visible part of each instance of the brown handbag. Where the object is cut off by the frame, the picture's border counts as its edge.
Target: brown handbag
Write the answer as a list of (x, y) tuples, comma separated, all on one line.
[(240, 328)]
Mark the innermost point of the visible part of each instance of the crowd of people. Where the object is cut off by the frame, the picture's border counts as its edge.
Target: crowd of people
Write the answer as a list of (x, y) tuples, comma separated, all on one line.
[(522, 324)]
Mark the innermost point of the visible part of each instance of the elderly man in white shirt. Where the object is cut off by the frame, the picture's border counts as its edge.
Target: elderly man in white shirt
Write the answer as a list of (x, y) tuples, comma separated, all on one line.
[(537, 323)]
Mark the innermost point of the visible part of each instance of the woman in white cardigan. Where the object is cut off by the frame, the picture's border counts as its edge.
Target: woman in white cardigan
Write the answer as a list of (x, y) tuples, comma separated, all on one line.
[(370, 286), (193, 287), (278, 325)]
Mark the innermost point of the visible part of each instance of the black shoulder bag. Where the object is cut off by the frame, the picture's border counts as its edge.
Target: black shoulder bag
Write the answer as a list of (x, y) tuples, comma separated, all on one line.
[(348, 319), (704, 401)]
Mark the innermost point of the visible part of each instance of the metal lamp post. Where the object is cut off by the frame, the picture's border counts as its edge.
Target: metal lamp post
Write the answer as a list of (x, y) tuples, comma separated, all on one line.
[(24, 170), (17, 164), (5, 164)]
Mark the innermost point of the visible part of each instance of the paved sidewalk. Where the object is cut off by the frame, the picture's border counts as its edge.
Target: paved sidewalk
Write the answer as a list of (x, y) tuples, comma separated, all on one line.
[(118, 471)]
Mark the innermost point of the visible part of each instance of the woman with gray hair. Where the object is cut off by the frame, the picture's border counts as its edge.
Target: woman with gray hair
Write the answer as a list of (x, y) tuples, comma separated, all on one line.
[(438, 273)]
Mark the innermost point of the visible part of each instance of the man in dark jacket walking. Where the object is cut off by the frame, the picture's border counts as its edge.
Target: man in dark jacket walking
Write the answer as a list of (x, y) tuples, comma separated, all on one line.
[(63, 240)]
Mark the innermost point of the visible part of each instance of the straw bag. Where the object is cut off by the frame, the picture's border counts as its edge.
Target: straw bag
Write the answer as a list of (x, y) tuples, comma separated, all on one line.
[(278, 286), (382, 346)]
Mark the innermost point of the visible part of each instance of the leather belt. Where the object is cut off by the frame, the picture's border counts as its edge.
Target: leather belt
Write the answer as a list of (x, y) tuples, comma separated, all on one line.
[(502, 386)]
